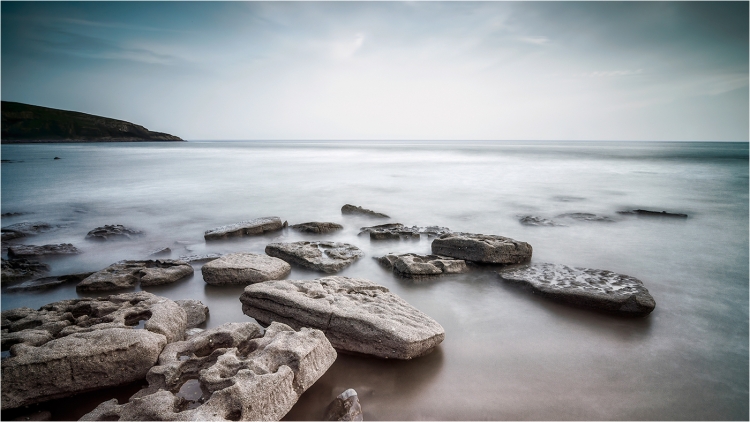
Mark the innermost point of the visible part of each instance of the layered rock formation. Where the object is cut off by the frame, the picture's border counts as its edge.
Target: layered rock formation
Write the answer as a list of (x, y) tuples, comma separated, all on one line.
[(329, 257), (483, 248)]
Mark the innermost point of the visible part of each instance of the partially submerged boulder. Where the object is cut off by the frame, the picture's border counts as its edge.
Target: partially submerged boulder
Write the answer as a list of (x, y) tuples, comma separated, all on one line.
[(356, 210), (113, 232), (24, 251), (78, 345), (244, 268), (345, 407), (246, 228), (355, 314), (21, 269), (18, 230), (196, 311), (232, 372), (125, 274), (398, 231), (329, 257), (413, 265), (317, 227), (48, 282), (483, 248), (585, 287)]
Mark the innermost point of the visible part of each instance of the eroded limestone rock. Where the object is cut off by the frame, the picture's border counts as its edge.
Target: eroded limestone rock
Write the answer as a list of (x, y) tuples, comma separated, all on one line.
[(483, 248), (244, 268), (25, 251), (413, 265), (246, 228), (126, 274), (329, 257), (196, 311), (345, 407), (21, 269), (317, 227), (113, 232)]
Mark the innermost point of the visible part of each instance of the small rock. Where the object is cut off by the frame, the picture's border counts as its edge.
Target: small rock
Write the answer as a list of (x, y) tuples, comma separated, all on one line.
[(329, 257), (412, 265), (317, 227), (398, 231), (531, 220), (244, 268), (355, 210), (21, 251), (113, 232), (588, 217), (483, 248), (245, 228), (345, 407), (647, 213), (48, 282), (166, 251), (125, 274), (21, 269), (196, 311)]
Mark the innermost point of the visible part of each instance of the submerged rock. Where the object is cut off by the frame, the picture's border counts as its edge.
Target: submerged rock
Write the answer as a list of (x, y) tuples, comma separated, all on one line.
[(329, 257), (18, 230), (48, 282), (355, 314), (483, 248), (317, 227), (125, 274), (345, 407), (232, 372), (647, 213), (20, 251), (196, 311), (21, 269), (356, 210), (199, 258), (246, 228), (414, 265), (532, 220), (78, 345), (399, 231), (588, 217), (113, 232), (244, 268), (585, 287)]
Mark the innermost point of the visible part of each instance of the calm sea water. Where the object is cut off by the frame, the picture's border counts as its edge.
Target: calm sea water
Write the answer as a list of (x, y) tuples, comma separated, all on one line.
[(507, 354)]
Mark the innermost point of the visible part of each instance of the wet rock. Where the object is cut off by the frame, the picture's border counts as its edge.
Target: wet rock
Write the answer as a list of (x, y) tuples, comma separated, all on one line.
[(356, 315), (12, 214), (21, 269), (345, 407), (196, 311), (356, 210), (125, 274), (48, 282), (166, 251), (412, 265), (244, 268), (531, 220), (329, 257), (18, 230), (483, 248), (396, 231), (22, 251), (317, 227), (113, 232), (588, 217), (232, 372), (585, 287), (200, 257), (78, 345), (246, 228), (647, 213)]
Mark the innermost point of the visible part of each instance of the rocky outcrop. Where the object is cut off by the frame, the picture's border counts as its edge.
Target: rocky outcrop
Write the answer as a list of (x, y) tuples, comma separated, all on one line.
[(356, 210), (329, 257), (317, 227), (396, 231), (585, 287), (483, 248), (48, 282), (345, 407), (113, 232), (532, 220), (647, 213), (126, 274), (23, 251), (21, 269), (78, 345), (244, 268), (18, 230), (246, 228), (355, 314), (196, 311), (412, 265), (233, 372), (587, 217)]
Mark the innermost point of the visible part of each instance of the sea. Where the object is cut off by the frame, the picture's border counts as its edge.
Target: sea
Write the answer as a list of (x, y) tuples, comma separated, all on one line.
[(508, 354)]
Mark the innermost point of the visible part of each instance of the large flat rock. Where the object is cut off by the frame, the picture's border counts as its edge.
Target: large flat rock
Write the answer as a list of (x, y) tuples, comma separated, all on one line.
[(232, 372), (244, 268), (413, 265), (245, 228), (585, 287), (329, 257), (126, 274), (483, 248), (355, 314)]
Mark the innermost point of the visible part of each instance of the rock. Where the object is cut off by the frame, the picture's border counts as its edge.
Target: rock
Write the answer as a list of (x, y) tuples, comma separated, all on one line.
[(244, 268), (199, 258), (531, 220), (246, 228), (329, 257), (345, 407), (196, 311), (232, 372), (584, 216), (317, 227), (166, 251), (21, 251), (355, 210), (398, 231), (48, 282), (647, 213), (585, 287), (113, 232), (78, 345), (11, 214), (18, 230), (412, 265), (125, 274), (484, 248), (21, 269), (355, 314)]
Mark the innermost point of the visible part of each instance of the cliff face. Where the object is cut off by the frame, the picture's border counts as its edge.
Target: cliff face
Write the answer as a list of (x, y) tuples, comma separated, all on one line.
[(28, 123)]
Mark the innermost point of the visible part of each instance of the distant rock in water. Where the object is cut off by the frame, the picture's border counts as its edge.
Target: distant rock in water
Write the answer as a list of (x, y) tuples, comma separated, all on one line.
[(18, 230), (48, 282), (396, 231), (317, 227), (413, 265), (329, 257), (532, 220), (126, 274), (22, 251), (483, 248), (356, 210), (112, 232), (647, 213), (585, 216), (246, 228), (28, 123), (21, 269)]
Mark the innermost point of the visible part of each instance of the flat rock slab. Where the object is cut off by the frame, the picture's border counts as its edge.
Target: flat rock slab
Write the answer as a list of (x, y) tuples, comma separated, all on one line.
[(412, 265), (232, 372), (24, 251), (244, 268), (483, 248), (78, 345), (48, 282), (345, 407), (329, 257), (588, 217), (317, 227), (113, 232), (125, 274), (647, 213), (396, 231), (18, 230), (355, 314), (356, 210), (585, 287), (199, 257), (21, 269), (246, 228)]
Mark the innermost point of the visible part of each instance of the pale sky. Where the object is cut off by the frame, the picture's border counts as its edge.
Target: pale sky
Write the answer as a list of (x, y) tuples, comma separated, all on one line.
[(388, 70)]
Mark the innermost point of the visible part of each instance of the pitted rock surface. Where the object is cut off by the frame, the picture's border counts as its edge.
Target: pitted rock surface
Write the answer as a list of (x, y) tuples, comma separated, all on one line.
[(246, 228), (21, 269), (398, 231), (78, 345), (232, 372), (125, 274), (356, 315), (357, 210), (412, 265), (317, 227), (484, 248), (23, 251), (345, 407), (18, 230), (329, 257), (113, 232), (585, 287), (244, 268)]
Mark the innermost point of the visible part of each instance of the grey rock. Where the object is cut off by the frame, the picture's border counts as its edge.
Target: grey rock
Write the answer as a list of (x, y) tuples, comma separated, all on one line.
[(532, 220), (329, 257), (21, 269), (345, 407), (232, 372), (196, 311), (245, 228), (412, 265), (355, 314), (317, 227), (588, 217), (18, 230), (125, 274), (113, 232), (483, 248), (244, 268), (647, 213), (356, 210), (585, 287), (166, 251), (78, 345), (48, 282), (199, 257), (396, 231), (23, 251)]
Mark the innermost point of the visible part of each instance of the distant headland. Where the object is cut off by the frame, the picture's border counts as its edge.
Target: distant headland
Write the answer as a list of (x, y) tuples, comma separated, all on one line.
[(24, 123)]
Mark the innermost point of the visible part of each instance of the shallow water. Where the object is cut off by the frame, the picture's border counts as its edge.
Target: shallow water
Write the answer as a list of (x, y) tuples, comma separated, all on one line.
[(507, 354)]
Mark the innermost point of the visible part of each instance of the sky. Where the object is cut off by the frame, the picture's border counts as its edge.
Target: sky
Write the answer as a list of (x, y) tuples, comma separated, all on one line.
[(673, 71)]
